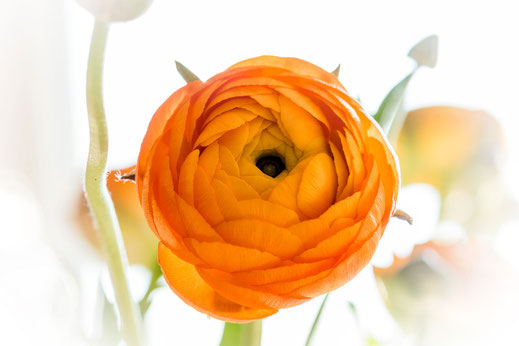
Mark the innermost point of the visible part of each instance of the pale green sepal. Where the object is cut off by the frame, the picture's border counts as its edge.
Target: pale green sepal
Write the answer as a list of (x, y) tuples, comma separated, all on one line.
[(186, 73), (337, 70)]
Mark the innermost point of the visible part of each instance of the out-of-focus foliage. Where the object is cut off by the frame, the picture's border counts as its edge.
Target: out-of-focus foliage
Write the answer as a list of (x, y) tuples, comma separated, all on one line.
[(458, 151), (454, 294)]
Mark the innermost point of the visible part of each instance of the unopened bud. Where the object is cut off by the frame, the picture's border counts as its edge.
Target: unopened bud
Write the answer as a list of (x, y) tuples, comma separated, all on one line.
[(115, 10)]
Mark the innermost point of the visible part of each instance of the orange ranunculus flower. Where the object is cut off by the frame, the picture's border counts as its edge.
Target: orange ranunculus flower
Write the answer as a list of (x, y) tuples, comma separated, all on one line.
[(268, 185)]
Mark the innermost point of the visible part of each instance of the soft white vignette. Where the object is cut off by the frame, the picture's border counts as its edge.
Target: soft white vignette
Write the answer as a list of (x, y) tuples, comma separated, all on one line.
[(44, 135)]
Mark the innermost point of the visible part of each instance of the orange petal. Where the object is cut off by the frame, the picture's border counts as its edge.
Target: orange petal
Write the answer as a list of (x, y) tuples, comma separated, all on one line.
[(354, 163), (256, 78), (185, 281), (261, 235), (187, 176), (318, 186), (168, 233), (289, 272), (285, 192), (270, 101), (369, 189), (372, 222), (241, 189), (242, 91), (194, 224), (227, 105), (173, 144), (222, 123), (197, 106), (347, 208), (347, 268), (158, 123), (227, 202), (205, 198), (310, 231), (304, 102), (291, 288), (231, 258), (228, 161), (300, 126), (341, 168), (237, 291), (267, 211), (296, 66), (333, 245), (263, 112), (209, 160)]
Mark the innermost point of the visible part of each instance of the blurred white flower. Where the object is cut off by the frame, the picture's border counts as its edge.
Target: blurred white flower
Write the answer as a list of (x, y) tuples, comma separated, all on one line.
[(422, 202), (115, 10)]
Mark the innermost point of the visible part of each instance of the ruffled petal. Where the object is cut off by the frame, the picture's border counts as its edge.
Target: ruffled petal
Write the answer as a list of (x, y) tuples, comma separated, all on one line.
[(185, 281), (241, 293)]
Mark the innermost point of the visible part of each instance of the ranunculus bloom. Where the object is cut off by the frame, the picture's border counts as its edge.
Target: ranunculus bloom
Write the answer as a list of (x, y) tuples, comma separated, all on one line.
[(268, 185)]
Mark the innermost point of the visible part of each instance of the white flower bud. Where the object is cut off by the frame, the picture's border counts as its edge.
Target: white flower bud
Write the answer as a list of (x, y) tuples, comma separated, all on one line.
[(115, 10)]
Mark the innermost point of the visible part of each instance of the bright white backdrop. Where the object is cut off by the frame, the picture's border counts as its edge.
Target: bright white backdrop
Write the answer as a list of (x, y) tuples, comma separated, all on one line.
[(44, 48)]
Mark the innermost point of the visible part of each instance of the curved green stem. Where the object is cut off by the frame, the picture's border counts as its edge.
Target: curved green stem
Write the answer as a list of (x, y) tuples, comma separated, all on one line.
[(97, 193), (248, 334)]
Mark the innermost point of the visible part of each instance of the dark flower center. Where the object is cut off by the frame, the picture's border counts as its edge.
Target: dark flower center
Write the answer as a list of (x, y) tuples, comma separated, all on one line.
[(271, 165)]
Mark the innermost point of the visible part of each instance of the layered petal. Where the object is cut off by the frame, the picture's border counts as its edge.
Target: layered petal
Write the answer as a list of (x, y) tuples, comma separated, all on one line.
[(267, 185)]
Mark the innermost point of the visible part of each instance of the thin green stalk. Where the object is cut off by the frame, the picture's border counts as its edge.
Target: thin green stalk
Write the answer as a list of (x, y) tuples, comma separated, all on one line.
[(248, 334), (97, 193), (316, 321), (145, 302)]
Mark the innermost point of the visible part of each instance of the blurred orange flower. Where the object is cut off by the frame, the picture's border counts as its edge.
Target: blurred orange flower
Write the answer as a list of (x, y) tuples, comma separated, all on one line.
[(441, 144), (139, 242), (268, 185)]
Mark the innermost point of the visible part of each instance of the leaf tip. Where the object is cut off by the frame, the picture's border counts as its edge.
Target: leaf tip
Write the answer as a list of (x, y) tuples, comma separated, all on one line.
[(336, 71), (425, 52), (186, 74)]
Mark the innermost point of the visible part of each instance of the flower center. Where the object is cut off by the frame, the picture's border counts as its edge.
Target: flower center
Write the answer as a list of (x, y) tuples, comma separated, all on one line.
[(270, 164)]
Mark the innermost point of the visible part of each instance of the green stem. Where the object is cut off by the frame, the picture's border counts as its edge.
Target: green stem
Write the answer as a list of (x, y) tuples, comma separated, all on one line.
[(156, 274), (248, 334), (316, 321), (97, 193)]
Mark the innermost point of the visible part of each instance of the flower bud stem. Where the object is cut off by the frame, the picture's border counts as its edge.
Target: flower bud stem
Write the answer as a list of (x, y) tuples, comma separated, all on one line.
[(97, 192), (316, 321), (247, 334)]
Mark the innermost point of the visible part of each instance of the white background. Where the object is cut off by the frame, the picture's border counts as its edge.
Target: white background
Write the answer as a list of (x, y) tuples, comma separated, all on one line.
[(45, 267)]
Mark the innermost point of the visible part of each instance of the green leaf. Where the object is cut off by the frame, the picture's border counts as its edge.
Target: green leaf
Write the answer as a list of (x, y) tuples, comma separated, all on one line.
[(186, 73), (337, 70), (316, 321), (391, 103), (247, 334), (424, 53)]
